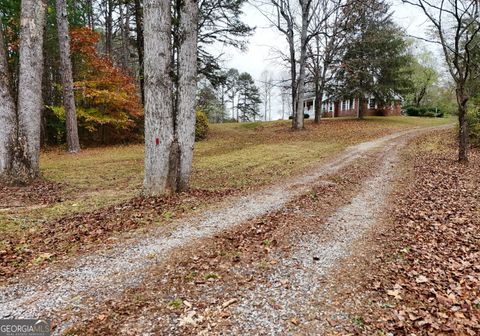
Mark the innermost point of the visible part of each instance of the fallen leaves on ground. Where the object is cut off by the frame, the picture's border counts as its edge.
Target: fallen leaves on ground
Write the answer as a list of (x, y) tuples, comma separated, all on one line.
[(241, 259), (21, 250), (427, 281), (39, 193)]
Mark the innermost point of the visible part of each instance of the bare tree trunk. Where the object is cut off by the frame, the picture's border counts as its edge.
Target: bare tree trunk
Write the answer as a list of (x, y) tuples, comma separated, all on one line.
[(187, 58), (319, 88), (293, 76), (362, 104), (463, 126), (90, 19), (140, 50), (108, 27), (26, 160), (298, 121), (7, 116), (125, 30), (159, 124), (73, 142)]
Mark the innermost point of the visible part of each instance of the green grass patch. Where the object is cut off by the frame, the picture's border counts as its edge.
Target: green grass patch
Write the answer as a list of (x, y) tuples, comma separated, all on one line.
[(235, 155)]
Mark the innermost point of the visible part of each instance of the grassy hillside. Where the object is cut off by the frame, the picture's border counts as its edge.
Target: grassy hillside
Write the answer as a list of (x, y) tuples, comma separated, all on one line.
[(235, 156)]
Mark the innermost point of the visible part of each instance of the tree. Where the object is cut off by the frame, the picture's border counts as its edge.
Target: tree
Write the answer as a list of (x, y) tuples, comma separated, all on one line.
[(376, 58), (248, 98), (138, 9), (298, 33), (266, 81), (456, 25), (187, 88), (73, 142), (327, 47), (106, 96), (285, 22), (159, 123), (285, 95), (219, 22), (208, 102), (169, 123), (20, 131), (7, 116), (423, 77), (232, 90)]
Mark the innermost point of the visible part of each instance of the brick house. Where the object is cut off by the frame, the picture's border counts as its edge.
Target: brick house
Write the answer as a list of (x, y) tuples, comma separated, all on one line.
[(333, 108)]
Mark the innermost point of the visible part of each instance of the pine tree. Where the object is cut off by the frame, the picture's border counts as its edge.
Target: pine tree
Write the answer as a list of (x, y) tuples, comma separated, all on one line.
[(376, 60), (248, 98)]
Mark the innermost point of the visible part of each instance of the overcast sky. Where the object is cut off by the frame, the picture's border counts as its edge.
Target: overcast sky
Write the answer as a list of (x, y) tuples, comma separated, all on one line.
[(266, 39)]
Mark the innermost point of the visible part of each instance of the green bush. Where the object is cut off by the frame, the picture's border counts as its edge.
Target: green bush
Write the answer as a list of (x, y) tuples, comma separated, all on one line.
[(55, 127), (201, 126), (473, 120), (305, 116), (429, 112)]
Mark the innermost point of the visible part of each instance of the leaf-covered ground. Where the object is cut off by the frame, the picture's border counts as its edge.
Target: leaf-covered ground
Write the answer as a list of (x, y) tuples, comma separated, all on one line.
[(420, 274), (416, 273), (89, 199), (195, 291), (55, 241)]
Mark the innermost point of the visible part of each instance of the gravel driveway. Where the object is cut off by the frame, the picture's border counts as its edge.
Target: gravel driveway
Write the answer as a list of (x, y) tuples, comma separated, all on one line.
[(58, 293)]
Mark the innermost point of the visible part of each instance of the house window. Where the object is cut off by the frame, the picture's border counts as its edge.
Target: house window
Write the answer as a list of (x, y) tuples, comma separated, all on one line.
[(352, 106), (344, 105), (371, 103), (330, 106)]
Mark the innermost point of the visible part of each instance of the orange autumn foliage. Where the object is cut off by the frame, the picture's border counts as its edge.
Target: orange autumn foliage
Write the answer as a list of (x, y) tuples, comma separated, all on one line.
[(104, 93)]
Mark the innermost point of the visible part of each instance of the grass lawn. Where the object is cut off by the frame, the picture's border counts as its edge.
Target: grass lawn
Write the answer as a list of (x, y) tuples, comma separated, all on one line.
[(234, 156)]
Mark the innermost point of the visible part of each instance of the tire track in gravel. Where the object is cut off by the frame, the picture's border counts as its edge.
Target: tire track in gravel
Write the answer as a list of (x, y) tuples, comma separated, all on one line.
[(294, 288), (56, 293)]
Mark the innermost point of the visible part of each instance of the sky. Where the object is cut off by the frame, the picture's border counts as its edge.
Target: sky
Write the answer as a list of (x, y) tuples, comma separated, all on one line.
[(260, 55)]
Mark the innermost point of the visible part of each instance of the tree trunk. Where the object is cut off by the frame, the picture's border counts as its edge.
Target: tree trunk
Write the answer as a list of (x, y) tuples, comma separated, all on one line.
[(125, 30), (73, 142), (26, 160), (7, 116), (187, 89), (318, 87), (298, 121), (362, 104), (90, 19), (159, 124), (293, 76), (108, 27), (140, 50), (462, 100)]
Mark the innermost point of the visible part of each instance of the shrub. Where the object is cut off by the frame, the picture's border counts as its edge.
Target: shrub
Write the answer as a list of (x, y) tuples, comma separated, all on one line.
[(94, 127), (109, 109), (201, 126), (305, 116), (473, 120), (430, 112)]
